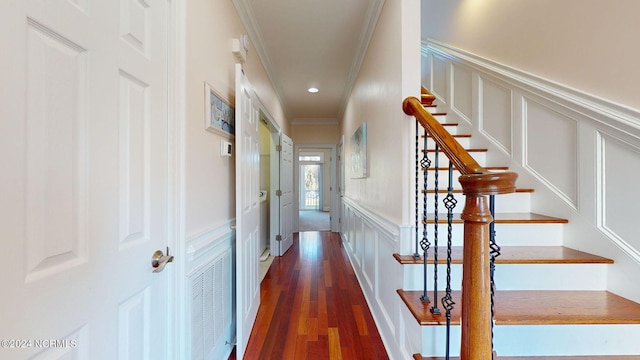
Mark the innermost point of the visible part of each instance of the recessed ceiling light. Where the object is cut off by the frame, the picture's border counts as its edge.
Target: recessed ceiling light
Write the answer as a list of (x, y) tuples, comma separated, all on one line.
[(313, 90)]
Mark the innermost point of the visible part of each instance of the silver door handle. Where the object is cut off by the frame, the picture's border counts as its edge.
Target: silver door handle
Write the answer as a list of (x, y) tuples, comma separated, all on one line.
[(159, 260)]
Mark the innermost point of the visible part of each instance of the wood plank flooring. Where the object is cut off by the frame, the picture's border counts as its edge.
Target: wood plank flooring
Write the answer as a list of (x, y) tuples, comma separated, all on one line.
[(312, 306)]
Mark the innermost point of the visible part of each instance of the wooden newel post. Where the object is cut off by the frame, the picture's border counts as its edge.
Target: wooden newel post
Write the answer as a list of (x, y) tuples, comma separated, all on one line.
[(476, 278), (476, 283)]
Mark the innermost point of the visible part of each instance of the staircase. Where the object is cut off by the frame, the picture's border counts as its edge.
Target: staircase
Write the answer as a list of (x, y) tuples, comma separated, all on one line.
[(551, 301)]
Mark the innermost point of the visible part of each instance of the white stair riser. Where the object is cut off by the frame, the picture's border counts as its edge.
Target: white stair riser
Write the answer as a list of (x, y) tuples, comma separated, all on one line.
[(515, 276), (544, 340), (527, 234), (508, 203), (443, 162), (464, 141)]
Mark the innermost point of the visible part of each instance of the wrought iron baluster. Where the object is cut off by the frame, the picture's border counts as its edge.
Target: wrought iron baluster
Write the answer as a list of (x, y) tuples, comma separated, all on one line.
[(447, 301), (494, 252), (425, 163), (434, 309), (416, 254)]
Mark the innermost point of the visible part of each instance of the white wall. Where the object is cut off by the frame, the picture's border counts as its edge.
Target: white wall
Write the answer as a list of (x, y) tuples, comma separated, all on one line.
[(210, 179), (579, 43), (389, 73), (583, 58)]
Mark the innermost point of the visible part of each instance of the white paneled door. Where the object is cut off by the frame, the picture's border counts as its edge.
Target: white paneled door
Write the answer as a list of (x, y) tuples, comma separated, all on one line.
[(247, 210), (84, 179), (286, 200)]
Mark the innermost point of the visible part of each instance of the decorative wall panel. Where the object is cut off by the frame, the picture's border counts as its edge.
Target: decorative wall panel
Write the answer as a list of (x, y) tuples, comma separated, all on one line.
[(495, 113), (554, 160), (439, 79), (462, 92), (619, 168), (55, 152)]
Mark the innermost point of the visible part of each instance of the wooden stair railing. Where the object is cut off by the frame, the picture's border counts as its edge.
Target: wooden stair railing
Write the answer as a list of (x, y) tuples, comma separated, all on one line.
[(477, 183), (426, 97)]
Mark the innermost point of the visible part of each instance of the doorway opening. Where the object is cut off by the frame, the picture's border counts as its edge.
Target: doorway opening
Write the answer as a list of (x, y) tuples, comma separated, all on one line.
[(265, 186), (314, 183)]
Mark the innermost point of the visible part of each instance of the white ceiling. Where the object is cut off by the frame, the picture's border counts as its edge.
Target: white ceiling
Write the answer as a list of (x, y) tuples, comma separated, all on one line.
[(304, 43)]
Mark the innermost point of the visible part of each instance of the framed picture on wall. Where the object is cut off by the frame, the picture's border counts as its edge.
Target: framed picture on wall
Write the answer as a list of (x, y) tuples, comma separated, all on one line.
[(219, 114), (359, 152)]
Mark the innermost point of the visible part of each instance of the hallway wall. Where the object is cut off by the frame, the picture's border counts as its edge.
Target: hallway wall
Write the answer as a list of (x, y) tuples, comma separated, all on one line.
[(390, 72), (376, 209), (210, 178)]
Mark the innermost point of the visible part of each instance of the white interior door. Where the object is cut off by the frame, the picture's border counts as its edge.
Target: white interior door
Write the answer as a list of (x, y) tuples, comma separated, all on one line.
[(287, 197), (83, 153), (247, 210)]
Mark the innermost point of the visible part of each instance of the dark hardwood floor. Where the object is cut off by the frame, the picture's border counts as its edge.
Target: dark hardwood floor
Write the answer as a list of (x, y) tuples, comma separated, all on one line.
[(312, 306)]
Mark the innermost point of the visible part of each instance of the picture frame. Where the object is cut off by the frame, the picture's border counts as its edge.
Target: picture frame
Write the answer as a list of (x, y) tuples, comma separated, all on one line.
[(358, 151), (219, 115)]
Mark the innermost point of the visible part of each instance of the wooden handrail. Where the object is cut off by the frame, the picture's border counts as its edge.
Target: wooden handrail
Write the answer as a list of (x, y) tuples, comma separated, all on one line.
[(426, 96), (477, 182)]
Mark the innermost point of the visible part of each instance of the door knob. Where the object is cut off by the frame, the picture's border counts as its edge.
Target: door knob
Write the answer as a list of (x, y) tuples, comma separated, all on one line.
[(159, 260)]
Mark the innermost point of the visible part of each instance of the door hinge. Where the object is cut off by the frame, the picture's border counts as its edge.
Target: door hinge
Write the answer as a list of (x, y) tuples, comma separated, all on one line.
[(278, 192), (278, 237), (278, 147)]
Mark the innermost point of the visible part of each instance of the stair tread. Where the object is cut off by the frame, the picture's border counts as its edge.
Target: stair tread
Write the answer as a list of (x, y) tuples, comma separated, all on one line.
[(459, 191), (537, 307), (468, 150), (504, 218), (515, 255), (455, 136), (580, 357), (486, 167)]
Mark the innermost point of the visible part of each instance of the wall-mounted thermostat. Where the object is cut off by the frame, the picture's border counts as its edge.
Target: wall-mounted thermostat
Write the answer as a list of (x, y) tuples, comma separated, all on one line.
[(225, 148)]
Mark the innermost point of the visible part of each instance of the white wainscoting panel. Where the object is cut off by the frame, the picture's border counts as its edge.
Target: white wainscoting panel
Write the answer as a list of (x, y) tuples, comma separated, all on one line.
[(551, 148), (617, 157), (461, 101), (379, 274), (210, 269), (495, 113), (439, 82)]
